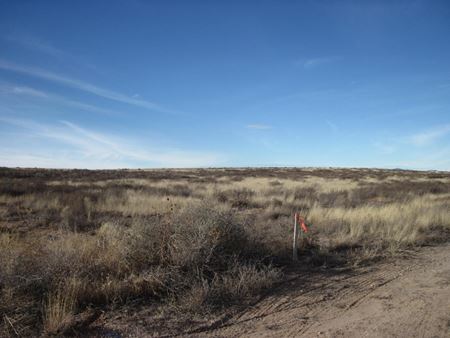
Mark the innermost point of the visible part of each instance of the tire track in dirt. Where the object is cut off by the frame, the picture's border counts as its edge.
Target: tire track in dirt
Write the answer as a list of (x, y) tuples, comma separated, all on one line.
[(297, 308), (352, 295), (396, 292)]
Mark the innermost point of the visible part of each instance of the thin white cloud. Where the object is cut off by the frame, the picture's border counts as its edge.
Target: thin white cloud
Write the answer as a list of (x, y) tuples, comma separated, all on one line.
[(438, 160), (314, 62), (85, 106), (79, 147), (13, 159), (81, 85), (36, 44), (28, 91), (20, 90), (259, 126), (430, 136)]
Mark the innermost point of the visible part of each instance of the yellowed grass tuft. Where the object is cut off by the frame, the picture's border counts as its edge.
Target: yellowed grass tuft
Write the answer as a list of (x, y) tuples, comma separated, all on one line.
[(60, 306)]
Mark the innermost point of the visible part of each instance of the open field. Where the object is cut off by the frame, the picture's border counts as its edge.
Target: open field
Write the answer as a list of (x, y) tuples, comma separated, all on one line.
[(206, 251)]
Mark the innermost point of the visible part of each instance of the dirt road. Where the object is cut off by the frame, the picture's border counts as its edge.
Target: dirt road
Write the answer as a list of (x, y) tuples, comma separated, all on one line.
[(406, 298)]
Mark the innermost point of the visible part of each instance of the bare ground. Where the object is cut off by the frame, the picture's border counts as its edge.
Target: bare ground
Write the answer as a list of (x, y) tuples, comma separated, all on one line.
[(405, 298), (402, 297)]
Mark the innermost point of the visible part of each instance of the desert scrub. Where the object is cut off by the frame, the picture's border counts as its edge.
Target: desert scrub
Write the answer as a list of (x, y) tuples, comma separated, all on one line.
[(71, 240), (203, 251), (236, 286)]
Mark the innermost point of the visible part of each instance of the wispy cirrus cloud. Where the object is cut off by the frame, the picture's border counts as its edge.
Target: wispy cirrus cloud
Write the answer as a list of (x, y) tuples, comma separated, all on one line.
[(422, 139), (78, 147), (424, 150), (258, 126), (22, 90), (83, 86), (34, 43), (9, 89), (429, 136), (315, 62), (436, 160), (39, 45)]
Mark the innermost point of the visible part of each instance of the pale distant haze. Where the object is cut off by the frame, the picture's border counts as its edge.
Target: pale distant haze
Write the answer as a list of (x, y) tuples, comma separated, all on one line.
[(148, 84)]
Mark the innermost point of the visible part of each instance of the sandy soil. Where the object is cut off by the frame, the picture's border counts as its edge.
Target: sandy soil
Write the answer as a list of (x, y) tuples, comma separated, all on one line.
[(406, 298)]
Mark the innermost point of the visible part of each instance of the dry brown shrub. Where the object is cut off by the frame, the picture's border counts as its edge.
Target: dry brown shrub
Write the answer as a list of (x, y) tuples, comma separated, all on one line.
[(145, 243), (236, 286), (75, 213), (206, 236), (237, 198)]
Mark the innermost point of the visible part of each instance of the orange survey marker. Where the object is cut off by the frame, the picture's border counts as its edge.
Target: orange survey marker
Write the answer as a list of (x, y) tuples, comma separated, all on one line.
[(301, 221), (298, 220)]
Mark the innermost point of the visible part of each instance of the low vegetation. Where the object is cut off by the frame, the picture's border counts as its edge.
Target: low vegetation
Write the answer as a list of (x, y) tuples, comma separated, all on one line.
[(196, 241)]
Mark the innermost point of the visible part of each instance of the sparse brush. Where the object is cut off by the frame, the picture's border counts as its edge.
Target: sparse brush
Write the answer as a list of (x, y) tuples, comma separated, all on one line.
[(235, 286), (237, 198), (201, 239), (243, 281), (145, 243)]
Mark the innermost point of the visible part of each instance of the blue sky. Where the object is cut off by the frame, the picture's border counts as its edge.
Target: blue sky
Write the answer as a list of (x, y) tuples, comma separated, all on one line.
[(114, 84)]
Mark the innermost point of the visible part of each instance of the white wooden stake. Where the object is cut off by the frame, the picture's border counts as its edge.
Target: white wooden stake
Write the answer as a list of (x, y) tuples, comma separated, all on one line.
[(294, 244)]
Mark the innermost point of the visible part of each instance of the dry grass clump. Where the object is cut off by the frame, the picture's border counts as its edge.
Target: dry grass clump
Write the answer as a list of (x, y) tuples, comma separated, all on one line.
[(60, 307)]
